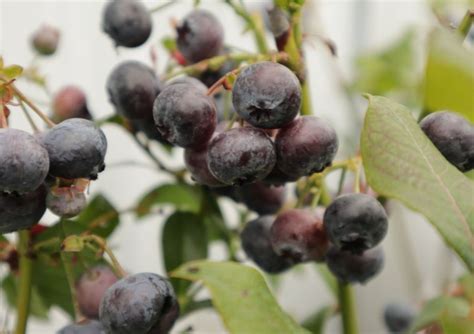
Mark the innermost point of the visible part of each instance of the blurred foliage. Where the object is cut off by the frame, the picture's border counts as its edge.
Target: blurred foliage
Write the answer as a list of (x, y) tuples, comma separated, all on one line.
[(392, 71)]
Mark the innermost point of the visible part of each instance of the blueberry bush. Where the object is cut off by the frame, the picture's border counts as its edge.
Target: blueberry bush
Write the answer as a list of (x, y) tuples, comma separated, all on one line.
[(249, 135)]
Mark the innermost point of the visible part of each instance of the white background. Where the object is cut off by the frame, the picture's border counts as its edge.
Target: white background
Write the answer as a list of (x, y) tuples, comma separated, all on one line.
[(417, 263)]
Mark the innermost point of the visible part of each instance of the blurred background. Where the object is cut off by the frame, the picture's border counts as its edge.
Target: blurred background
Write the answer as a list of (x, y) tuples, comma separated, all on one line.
[(379, 49)]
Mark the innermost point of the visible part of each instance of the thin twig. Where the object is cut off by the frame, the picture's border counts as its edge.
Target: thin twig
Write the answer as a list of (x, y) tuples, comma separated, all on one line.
[(30, 104)]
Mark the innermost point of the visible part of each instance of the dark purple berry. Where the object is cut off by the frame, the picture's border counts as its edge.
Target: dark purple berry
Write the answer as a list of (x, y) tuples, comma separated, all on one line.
[(139, 304), (127, 22), (355, 222), (200, 36), (65, 202), (76, 149), (398, 317), (87, 327), (453, 136), (256, 243), (267, 95), (91, 287), (24, 163), (299, 234), (306, 146), (132, 88), (196, 163), (45, 40), (241, 155), (355, 268), (278, 178), (18, 212), (190, 81), (70, 102), (185, 116), (261, 198)]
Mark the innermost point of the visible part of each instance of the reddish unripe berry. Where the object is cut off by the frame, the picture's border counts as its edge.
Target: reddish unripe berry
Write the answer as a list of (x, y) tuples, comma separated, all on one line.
[(91, 287), (299, 234)]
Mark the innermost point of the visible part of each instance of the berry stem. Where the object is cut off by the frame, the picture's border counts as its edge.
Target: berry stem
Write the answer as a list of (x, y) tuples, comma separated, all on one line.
[(25, 275), (466, 23), (66, 260), (28, 116), (253, 23), (347, 307), (3, 118), (161, 6), (103, 246), (218, 61), (30, 104)]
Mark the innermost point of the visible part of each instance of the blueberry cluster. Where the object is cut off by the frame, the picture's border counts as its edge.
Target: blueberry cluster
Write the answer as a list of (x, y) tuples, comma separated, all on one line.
[(40, 171), (344, 235), (143, 303)]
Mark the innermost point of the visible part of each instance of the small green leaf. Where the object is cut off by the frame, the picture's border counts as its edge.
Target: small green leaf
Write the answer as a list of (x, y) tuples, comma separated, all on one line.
[(184, 239), (241, 296), (441, 308), (1, 62), (449, 75), (315, 323), (169, 43), (401, 162), (73, 244), (467, 283), (182, 196), (12, 71)]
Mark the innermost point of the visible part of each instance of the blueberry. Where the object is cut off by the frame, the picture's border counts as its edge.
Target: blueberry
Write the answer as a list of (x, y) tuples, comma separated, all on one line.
[(139, 304), (65, 202), (355, 268), (88, 327), (267, 95), (196, 163), (299, 234), (453, 136), (200, 36), (241, 155), (127, 22), (91, 287), (76, 149), (190, 81), (45, 40), (399, 317), (278, 178), (355, 222), (261, 198), (18, 212), (307, 145), (255, 239), (185, 116), (132, 88), (70, 102), (24, 163)]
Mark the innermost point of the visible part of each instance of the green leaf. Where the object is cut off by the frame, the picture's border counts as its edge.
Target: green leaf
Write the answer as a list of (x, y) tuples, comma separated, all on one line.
[(315, 323), (182, 196), (449, 75), (241, 296), (442, 309), (401, 162), (467, 284), (184, 239), (12, 71), (73, 244), (37, 306)]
